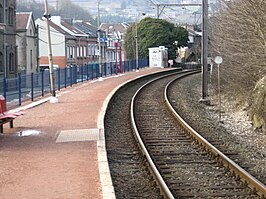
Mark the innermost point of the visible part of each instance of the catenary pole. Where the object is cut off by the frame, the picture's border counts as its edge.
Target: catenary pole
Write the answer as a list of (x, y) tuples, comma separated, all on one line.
[(50, 56), (204, 49)]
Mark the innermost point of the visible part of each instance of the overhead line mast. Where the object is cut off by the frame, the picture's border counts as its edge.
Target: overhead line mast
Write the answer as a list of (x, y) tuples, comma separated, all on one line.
[(204, 42)]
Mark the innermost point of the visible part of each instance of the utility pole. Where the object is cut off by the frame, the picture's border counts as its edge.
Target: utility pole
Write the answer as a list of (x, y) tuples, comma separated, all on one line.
[(204, 49), (157, 11), (50, 56), (99, 43)]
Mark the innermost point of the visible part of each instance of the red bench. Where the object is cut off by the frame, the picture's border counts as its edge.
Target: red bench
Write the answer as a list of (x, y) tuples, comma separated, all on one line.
[(6, 117)]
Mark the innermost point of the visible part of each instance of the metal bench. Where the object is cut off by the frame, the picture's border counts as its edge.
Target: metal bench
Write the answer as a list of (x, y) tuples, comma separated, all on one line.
[(6, 117)]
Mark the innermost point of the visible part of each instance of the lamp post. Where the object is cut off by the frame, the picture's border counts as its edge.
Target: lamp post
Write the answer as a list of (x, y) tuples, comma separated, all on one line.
[(116, 64), (50, 56), (137, 47), (99, 43)]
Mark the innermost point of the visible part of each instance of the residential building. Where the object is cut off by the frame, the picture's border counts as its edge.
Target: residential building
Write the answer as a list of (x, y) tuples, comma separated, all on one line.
[(69, 45), (91, 32), (8, 49), (27, 42), (81, 39), (114, 38), (194, 45)]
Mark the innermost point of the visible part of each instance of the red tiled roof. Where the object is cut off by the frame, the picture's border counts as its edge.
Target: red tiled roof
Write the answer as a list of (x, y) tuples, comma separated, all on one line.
[(22, 20)]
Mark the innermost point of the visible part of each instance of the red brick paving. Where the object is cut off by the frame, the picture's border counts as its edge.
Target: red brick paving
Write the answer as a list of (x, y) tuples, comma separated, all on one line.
[(36, 166)]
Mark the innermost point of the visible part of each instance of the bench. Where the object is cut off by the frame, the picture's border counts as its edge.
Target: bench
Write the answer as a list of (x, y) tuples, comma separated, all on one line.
[(6, 117)]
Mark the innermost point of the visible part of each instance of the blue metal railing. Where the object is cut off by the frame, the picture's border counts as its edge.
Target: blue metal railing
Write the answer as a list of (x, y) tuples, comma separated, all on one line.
[(28, 87)]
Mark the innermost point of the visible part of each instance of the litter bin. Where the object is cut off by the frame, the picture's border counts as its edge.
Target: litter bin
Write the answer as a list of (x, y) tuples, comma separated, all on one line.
[(2, 104)]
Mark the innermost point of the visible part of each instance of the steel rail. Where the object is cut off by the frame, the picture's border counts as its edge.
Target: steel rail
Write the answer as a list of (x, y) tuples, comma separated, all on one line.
[(160, 181), (164, 188), (252, 182)]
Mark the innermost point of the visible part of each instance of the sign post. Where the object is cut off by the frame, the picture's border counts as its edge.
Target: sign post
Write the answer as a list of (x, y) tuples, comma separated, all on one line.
[(218, 60)]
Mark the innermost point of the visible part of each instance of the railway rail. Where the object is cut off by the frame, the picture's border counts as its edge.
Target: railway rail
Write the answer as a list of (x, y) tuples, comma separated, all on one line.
[(182, 165), (174, 150)]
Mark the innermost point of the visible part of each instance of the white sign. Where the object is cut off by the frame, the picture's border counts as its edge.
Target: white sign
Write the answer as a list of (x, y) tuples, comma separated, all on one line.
[(218, 60)]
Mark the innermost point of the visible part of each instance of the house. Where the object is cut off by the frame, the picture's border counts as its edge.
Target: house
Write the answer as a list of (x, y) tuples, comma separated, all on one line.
[(27, 43), (194, 45), (8, 49), (114, 36), (81, 53), (69, 45), (91, 32)]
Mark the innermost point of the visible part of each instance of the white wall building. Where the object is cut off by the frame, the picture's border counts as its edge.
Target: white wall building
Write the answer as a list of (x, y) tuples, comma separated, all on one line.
[(158, 57), (27, 42)]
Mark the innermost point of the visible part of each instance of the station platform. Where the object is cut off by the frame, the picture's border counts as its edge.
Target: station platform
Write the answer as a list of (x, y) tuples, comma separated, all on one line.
[(57, 150)]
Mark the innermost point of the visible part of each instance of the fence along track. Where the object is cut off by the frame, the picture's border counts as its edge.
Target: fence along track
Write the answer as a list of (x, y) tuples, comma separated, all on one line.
[(252, 182), (152, 143)]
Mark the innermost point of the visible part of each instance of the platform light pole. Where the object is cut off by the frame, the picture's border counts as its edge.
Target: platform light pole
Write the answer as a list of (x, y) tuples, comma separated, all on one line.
[(99, 43), (137, 48), (137, 45), (50, 56)]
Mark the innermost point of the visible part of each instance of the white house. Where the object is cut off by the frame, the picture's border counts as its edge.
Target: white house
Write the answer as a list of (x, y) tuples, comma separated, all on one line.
[(27, 42)]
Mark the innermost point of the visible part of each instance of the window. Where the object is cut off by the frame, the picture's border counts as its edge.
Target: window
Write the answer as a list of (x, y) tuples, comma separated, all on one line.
[(74, 50), (71, 52), (11, 62), (78, 52), (31, 61), (1, 14), (84, 51), (1, 63), (81, 51), (11, 15), (89, 50)]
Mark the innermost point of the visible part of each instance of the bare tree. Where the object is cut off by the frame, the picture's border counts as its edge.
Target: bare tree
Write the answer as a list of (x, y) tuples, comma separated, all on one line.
[(238, 33)]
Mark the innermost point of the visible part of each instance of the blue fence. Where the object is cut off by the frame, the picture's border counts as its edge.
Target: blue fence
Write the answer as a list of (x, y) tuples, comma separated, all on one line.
[(29, 87)]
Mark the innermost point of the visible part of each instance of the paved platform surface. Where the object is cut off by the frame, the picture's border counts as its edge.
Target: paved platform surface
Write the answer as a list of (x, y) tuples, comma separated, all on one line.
[(58, 150)]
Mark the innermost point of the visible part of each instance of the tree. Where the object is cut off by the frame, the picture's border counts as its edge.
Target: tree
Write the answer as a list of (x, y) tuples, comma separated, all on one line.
[(66, 9), (238, 33), (152, 33)]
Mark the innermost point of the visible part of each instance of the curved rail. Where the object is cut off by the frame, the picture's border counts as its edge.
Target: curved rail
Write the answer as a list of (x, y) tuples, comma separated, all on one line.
[(166, 192), (227, 162)]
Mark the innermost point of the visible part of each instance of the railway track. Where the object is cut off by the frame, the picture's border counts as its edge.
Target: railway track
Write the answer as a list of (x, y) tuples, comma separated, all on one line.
[(183, 168), (188, 164)]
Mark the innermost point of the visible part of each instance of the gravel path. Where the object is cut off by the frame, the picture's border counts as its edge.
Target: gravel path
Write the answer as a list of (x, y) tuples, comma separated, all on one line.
[(235, 129)]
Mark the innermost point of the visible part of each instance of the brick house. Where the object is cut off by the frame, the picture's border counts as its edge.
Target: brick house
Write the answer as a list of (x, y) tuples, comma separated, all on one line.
[(27, 42), (69, 45), (8, 49), (92, 38), (81, 39)]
